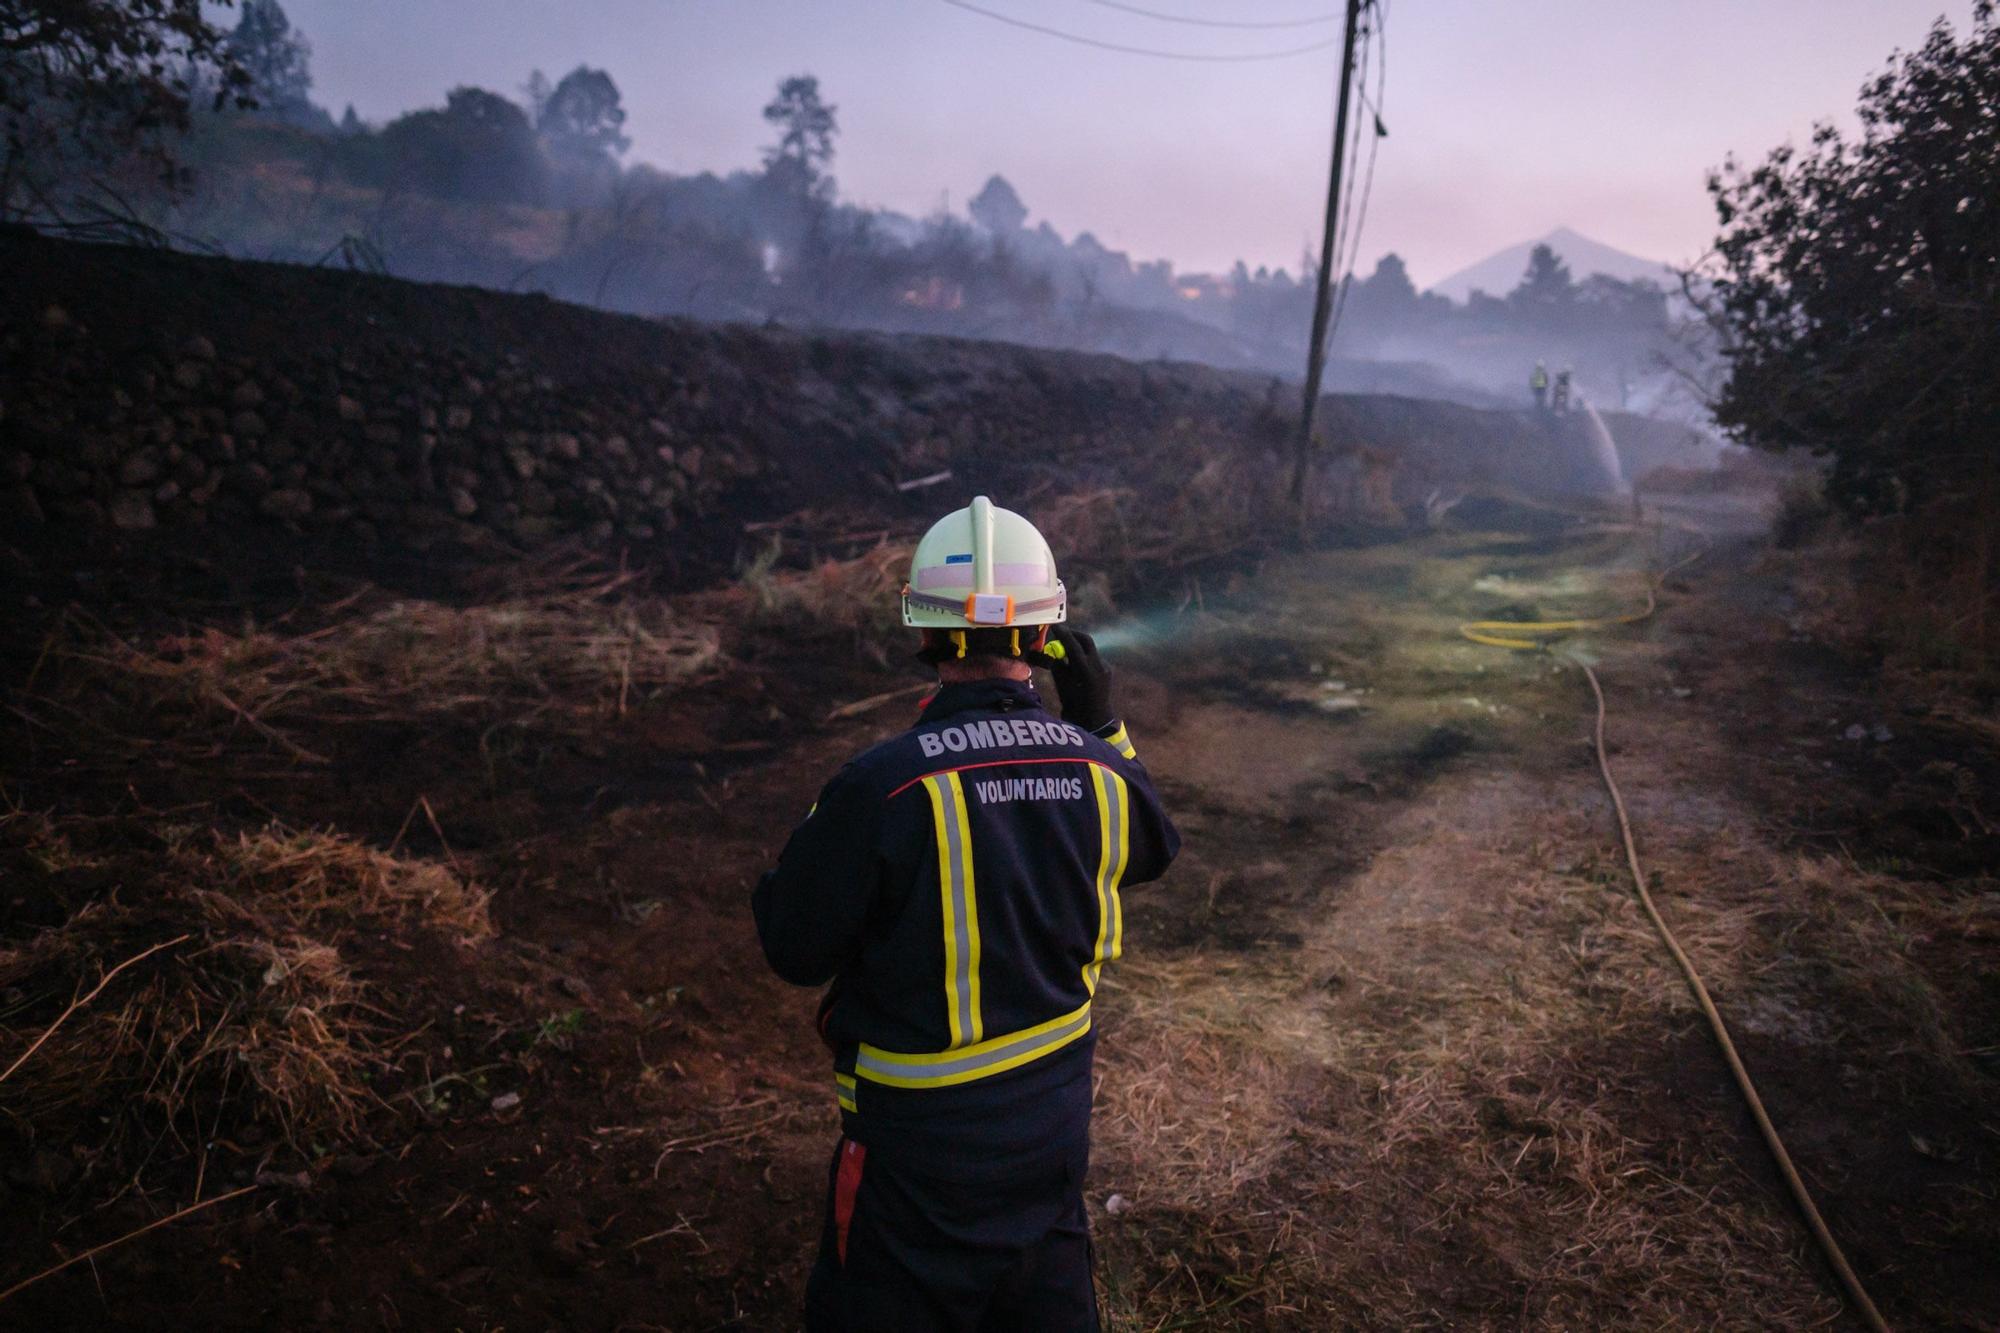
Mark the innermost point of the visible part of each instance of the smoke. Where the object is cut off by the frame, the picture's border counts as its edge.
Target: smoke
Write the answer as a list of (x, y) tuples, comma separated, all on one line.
[(1144, 630)]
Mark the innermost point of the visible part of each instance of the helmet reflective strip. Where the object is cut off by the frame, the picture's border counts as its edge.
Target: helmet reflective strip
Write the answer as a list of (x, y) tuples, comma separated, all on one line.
[(959, 901), (960, 576), (973, 1062), (957, 604)]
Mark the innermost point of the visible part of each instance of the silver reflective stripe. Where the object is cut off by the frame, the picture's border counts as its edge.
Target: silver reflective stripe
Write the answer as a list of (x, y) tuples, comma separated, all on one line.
[(1115, 844), (958, 604), (932, 1068)]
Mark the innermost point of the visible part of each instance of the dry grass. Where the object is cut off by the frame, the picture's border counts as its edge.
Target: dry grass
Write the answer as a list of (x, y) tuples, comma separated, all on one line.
[(851, 601), (1192, 1084), (1857, 959), (559, 659), (324, 883), (1497, 1109), (253, 1026), (1229, 506), (1442, 1110), (1898, 589)]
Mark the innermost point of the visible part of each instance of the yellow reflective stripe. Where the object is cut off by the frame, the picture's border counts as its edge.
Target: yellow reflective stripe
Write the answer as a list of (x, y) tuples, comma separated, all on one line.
[(995, 1056), (1121, 741), (1114, 841), (843, 1090), (938, 793), (959, 903), (1100, 788)]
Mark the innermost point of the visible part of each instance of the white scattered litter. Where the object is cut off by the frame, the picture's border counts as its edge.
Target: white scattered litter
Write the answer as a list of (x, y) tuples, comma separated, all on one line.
[(507, 1101), (1117, 1204)]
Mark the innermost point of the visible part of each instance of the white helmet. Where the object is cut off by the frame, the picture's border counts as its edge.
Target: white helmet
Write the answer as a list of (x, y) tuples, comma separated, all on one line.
[(983, 567)]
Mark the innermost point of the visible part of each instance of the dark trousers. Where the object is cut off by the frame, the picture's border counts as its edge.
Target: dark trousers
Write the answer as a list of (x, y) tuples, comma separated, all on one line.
[(911, 1250)]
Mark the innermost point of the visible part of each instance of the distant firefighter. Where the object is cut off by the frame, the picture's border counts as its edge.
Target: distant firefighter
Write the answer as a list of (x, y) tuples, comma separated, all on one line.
[(1539, 383), (1562, 391)]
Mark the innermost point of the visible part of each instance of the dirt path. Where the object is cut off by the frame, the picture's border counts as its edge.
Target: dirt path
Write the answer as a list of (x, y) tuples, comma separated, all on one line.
[(1393, 1046)]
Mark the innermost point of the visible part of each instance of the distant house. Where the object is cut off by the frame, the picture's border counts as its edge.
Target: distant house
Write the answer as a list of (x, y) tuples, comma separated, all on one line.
[(934, 293)]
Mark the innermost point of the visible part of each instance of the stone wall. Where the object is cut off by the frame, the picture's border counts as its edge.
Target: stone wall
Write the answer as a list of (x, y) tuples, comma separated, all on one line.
[(149, 391), (369, 440)]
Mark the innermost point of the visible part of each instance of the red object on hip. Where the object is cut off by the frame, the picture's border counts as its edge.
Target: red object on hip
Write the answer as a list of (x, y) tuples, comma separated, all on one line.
[(847, 1184)]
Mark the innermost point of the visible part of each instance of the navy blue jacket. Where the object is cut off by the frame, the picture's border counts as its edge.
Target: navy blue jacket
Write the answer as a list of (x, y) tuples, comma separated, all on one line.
[(959, 886)]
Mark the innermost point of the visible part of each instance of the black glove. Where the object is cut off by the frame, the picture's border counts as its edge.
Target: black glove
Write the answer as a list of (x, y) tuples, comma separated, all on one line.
[(1083, 682)]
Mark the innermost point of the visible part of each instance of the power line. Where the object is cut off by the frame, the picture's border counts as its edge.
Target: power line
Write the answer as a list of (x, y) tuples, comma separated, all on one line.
[(1342, 259), (1307, 22), (1080, 40), (1328, 255), (1374, 147)]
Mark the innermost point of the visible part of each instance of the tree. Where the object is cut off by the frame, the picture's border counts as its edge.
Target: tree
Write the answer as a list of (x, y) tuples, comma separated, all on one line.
[(582, 121), (997, 208), (1380, 304), (1545, 289), (806, 129), (536, 90), (1391, 280), (351, 123), (276, 60), (1859, 292), (1860, 280), (1636, 309), (479, 148), (94, 79)]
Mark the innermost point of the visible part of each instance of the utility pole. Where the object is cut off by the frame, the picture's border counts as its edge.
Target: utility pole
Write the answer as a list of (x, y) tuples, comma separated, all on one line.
[(1322, 299)]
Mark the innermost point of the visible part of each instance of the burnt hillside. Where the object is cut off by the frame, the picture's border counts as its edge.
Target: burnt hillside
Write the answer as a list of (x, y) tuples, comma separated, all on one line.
[(169, 396)]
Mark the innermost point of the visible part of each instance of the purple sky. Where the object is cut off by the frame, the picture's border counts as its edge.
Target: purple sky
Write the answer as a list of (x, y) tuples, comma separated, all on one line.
[(1506, 120)]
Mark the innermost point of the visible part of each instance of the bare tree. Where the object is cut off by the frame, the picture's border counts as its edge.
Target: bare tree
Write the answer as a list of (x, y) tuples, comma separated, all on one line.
[(86, 82)]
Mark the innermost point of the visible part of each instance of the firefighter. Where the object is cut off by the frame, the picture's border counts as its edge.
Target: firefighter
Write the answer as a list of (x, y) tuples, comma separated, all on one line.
[(1562, 391), (1538, 382), (959, 886)]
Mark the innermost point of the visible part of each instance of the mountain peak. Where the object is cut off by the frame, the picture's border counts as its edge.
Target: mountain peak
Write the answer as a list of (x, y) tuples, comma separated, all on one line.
[(1500, 272)]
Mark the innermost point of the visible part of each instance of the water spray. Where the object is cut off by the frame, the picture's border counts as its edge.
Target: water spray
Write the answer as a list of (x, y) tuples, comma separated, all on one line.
[(1137, 631), (1606, 448)]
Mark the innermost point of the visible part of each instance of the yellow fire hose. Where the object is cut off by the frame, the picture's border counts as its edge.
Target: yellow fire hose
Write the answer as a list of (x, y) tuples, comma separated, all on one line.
[(1509, 633), (1528, 635)]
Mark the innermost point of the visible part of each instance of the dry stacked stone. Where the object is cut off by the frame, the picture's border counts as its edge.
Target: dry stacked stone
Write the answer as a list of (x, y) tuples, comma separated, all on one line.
[(378, 441)]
